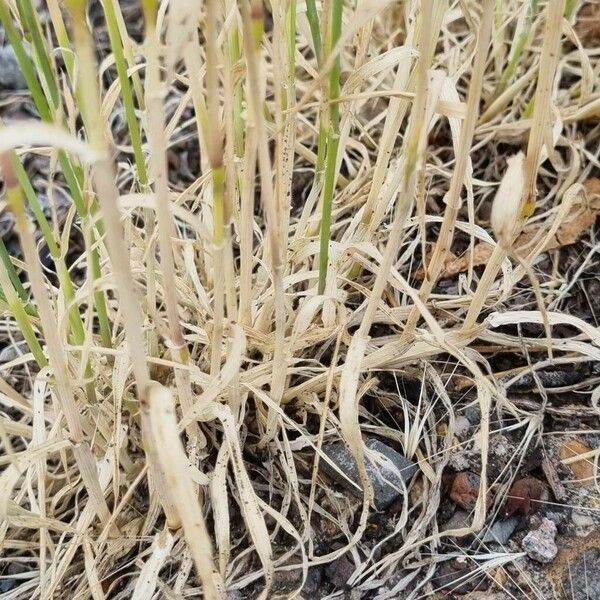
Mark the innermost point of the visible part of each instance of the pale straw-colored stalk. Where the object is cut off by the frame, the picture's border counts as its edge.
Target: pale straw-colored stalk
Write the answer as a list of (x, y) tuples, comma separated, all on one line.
[(111, 10), (414, 161), (376, 203), (537, 137), (217, 166), (155, 94), (252, 19), (284, 32), (103, 177), (446, 234), (181, 489)]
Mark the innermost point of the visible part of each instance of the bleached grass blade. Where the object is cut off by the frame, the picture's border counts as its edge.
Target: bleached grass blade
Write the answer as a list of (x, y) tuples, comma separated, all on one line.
[(160, 552), (173, 460), (36, 134)]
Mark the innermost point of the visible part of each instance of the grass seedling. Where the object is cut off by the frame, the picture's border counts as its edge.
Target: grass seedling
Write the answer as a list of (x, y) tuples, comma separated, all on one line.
[(333, 139)]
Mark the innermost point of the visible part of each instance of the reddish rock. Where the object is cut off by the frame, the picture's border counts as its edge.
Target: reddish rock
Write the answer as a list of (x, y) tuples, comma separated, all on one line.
[(465, 489), (524, 497)]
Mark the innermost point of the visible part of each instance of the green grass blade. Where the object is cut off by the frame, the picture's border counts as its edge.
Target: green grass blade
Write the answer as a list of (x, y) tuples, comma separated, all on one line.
[(333, 141)]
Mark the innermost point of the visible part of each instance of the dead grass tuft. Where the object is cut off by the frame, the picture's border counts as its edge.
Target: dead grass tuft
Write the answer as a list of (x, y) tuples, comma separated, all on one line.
[(172, 368)]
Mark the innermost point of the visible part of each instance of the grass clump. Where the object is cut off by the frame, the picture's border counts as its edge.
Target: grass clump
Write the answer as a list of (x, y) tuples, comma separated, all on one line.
[(263, 201)]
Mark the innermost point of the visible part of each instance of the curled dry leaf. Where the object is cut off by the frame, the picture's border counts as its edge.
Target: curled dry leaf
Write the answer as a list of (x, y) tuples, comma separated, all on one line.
[(582, 217), (525, 497)]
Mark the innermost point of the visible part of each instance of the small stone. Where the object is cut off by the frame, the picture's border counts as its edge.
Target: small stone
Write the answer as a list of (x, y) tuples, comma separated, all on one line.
[(523, 497), (8, 582), (388, 471), (500, 531), (339, 571), (459, 460), (539, 544), (581, 581), (462, 427), (473, 413), (459, 520), (313, 581), (558, 518), (11, 77), (500, 446), (11, 352), (583, 470), (465, 489), (460, 576), (290, 580), (584, 523)]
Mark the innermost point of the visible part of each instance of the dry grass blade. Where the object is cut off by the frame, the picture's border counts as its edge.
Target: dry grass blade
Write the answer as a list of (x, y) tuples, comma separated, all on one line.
[(174, 462)]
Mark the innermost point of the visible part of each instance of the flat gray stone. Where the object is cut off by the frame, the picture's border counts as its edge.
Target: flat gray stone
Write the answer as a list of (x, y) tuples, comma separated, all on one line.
[(500, 531), (459, 520), (388, 470)]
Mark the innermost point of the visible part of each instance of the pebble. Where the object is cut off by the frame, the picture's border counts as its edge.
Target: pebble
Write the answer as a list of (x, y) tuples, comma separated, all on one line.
[(500, 446), (500, 531), (583, 522), (290, 580), (581, 581), (473, 413), (11, 77), (558, 518), (11, 352), (523, 496), (459, 460), (389, 472), (465, 489), (8, 583), (460, 576), (459, 520), (539, 544), (339, 571), (461, 428)]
